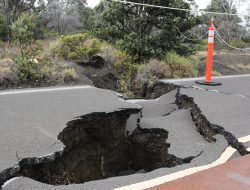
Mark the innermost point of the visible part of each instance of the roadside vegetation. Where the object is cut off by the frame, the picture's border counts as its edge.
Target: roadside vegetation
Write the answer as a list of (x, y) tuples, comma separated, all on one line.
[(39, 47)]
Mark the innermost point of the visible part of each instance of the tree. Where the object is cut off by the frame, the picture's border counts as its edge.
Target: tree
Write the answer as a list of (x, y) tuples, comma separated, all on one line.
[(145, 32), (63, 16), (3, 27), (12, 9), (23, 32), (87, 18), (229, 26)]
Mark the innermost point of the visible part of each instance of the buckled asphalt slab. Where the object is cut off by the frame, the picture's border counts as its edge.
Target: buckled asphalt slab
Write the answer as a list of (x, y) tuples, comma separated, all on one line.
[(32, 119)]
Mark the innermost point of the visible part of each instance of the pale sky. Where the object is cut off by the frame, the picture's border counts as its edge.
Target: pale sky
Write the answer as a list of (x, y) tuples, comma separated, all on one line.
[(201, 3)]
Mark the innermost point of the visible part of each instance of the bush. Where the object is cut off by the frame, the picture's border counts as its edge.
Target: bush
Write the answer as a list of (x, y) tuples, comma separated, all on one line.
[(155, 68), (78, 46), (26, 69), (180, 66), (23, 32), (238, 43), (115, 59), (148, 74), (202, 46), (48, 72), (69, 74), (120, 64)]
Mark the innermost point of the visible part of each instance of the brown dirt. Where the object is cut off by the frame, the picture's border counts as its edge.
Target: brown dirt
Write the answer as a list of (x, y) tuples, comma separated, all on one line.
[(228, 64)]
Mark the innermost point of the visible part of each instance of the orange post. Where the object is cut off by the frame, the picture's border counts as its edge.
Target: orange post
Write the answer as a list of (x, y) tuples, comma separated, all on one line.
[(210, 52), (210, 55)]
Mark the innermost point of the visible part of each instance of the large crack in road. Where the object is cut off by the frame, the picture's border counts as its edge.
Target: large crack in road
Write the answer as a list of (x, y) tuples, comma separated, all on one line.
[(100, 145), (96, 147), (204, 127)]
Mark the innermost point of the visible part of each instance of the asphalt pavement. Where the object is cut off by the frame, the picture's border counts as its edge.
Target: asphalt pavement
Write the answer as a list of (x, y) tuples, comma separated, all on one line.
[(31, 120)]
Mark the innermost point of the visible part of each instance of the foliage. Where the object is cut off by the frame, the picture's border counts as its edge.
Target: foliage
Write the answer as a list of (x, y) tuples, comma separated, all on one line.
[(246, 39), (23, 32), (12, 9), (155, 68), (228, 26), (145, 32), (127, 78), (26, 69), (114, 56), (238, 43), (180, 66), (120, 64), (78, 46), (3, 27), (48, 72), (202, 46), (148, 74), (63, 15), (69, 74), (87, 18)]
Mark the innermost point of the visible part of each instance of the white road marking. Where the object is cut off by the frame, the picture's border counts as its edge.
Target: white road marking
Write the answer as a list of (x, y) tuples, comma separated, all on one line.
[(244, 139), (202, 78), (37, 90), (226, 155), (142, 100), (8, 182)]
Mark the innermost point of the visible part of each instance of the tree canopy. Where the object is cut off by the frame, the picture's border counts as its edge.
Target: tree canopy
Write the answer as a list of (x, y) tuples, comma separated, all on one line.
[(228, 26), (146, 32)]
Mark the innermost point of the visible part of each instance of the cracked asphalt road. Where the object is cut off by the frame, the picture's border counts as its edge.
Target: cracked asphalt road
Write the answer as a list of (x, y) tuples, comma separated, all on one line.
[(31, 121)]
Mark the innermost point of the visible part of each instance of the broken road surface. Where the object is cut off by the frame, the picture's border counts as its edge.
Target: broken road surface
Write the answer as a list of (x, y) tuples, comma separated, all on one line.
[(89, 138)]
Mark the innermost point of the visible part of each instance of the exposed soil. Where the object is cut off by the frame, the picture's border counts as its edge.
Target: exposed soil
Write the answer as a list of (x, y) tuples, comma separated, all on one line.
[(228, 64)]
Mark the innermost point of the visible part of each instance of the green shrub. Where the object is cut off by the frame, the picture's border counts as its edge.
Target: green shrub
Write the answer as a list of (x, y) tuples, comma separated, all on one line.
[(120, 64), (26, 69), (155, 68), (23, 32), (180, 66), (114, 56), (69, 75), (238, 43), (202, 46), (48, 72), (148, 74), (126, 80), (78, 46)]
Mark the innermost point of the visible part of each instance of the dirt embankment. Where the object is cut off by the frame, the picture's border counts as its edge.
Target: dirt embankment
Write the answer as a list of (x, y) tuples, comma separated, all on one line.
[(227, 64)]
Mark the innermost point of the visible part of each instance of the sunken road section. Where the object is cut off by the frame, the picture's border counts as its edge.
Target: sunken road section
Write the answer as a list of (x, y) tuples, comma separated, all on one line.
[(97, 147)]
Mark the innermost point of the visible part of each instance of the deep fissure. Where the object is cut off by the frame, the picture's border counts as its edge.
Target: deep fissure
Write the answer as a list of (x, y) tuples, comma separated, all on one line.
[(97, 147), (204, 127)]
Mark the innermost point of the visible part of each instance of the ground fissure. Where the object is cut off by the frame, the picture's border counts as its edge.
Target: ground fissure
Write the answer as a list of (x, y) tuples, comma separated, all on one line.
[(97, 147)]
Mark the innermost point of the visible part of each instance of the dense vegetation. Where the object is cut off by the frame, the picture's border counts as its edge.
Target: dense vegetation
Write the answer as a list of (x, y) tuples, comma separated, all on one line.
[(41, 41)]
